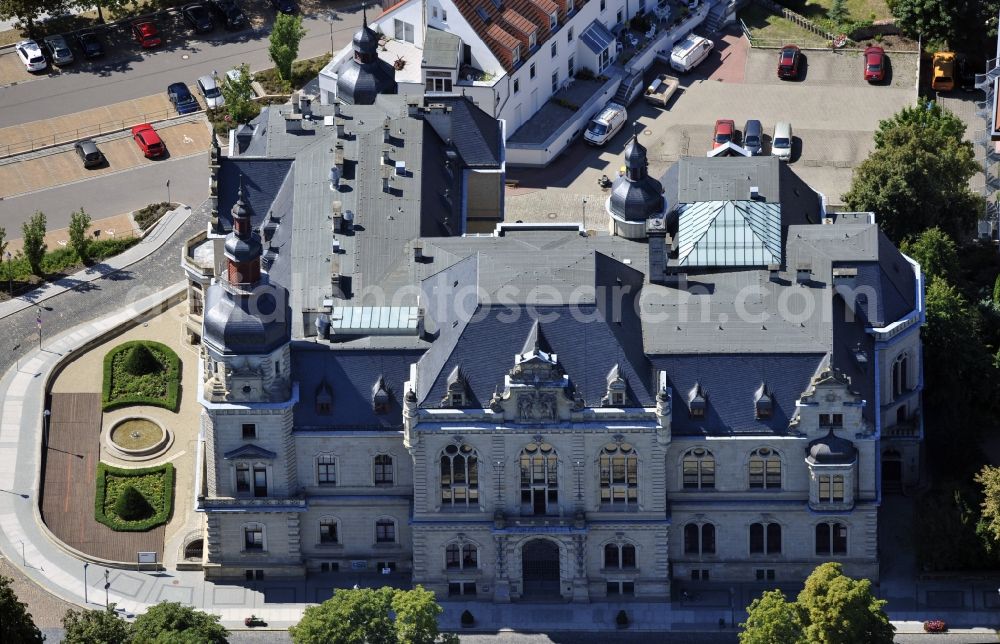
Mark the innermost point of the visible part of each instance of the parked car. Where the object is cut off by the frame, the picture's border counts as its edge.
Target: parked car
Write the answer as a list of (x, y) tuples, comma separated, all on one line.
[(606, 124), (88, 152), (688, 53), (233, 75), (788, 62), (725, 131), (90, 44), (943, 71), (229, 13), (874, 64), (209, 89), (146, 34), (965, 73), (753, 137), (148, 141), (198, 17), (781, 143), (58, 50), (284, 6), (661, 89), (181, 97), (31, 56)]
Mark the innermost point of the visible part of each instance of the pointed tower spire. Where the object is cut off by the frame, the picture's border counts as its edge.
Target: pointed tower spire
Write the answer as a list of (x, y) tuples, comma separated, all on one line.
[(243, 247), (531, 341)]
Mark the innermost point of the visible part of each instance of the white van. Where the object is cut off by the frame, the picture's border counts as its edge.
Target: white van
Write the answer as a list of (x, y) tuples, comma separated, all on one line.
[(781, 143), (688, 53), (606, 124)]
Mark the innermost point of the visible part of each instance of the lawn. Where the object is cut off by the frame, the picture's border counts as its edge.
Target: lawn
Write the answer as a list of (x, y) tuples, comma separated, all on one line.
[(141, 372), (857, 10), (776, 30), (303, 71), (155, 484)]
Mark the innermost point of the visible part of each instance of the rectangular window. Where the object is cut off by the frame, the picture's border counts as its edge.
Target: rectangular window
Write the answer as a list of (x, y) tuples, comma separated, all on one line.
[(620, 588), (444, 16), (382, 565), (259, 481), (517, 85), (383, 469), (242, 478), (603, 5), (434, 12), (569, 34), (385, 532), (839, 539), (438, 82), (253, 538), (462, 588), (838, 488), (831, 420), (764, 574), (618, 18), (249, 431), (618, 399), (824, 489), (328, 531), (403, 30), (531, 71), (553, 49), (326, 470), (555, 81)]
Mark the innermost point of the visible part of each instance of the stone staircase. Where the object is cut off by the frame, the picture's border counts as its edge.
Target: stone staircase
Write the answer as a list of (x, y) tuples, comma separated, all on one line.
[(716, 15), (627, 89)]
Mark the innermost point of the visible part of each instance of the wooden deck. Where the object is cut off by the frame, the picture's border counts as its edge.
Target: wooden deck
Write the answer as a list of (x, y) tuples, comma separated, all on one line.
[(69, 484)]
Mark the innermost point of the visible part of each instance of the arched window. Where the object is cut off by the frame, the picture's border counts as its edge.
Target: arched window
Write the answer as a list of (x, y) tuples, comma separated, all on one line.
[(765, 469), (326, 469), (383, 469), (619, 556), (619, 475), (459, 476), (385, 531), (698, 469), (329, 531), (253, 538), (765, 538), (831, 539), (463, 556), (539, 479), (699, 539), (900, 370)]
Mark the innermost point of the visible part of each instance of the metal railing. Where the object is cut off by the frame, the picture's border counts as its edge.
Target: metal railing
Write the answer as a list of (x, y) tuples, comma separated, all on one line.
[(84, 132)]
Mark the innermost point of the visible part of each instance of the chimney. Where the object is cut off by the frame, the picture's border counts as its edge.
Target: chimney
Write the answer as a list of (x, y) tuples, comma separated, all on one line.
[(338, 155), (418, 253), (386, 175), (772, 272), (803, 273), (386, 131), (337, 216), (656, 231), (340, 128), (305, 105), (295, 102), (754, 193)]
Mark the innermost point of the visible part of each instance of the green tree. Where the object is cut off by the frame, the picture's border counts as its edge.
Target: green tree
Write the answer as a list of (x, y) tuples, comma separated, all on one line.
[(996, 288), (3, 255), (33, 234), (362, 616), (16, 624), (286, 34), (946, 22), (131, 505), (837, 12), (927, 115), (916, 180), (841, 610), (95, 626), (239, 94), (174, 623), (771, 619), (989, 479), (79, 226), (140, 361), (28, 11), (936, 252)]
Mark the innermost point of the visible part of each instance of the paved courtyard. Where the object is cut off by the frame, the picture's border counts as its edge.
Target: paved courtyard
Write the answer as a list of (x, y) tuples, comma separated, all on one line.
[(832, 110)]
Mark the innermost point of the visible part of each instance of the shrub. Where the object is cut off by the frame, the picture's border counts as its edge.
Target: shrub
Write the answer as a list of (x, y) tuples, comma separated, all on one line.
[(467, 618), (139, 361), (935, 626), (131, 505), (149, 215), (127, 383), (154, 484)]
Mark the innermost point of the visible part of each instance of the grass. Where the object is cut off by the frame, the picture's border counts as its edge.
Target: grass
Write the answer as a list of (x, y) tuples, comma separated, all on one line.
[(149, 215), (159, 389), (857, 10), (303, 71), (61, 262), (768, 26), (156, 484)]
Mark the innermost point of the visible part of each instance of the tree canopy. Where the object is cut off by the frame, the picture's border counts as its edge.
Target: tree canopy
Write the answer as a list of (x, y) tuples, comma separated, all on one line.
[(918, 177), (239, 94), (16, 624), (365, 616), (955, 23), (832, 608), (925, 116), (935, 251), (286, 34), (90, 626), (174, 623)]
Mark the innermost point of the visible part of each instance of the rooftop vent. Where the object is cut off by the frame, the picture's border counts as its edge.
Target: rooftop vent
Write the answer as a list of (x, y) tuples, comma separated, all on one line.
[(754, 193), (803, 273), (772, 272)]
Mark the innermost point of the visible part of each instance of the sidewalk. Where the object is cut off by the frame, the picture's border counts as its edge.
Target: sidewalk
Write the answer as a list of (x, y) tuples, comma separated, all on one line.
[(160, 234)]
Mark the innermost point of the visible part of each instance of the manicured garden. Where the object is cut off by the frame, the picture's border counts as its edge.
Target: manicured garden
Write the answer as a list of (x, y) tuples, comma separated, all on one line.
[(141, 372), (134, 500)]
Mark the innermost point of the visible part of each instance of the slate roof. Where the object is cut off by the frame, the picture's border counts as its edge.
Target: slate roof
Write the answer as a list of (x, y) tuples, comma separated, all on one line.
[(261, 179), (729, 382), (474, 133)]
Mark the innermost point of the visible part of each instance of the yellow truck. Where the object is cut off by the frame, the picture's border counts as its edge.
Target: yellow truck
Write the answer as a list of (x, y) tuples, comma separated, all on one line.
[(943, 71)]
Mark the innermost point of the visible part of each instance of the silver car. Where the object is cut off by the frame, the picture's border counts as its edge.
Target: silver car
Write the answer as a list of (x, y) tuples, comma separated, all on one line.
[(210, 90), (58, 50)]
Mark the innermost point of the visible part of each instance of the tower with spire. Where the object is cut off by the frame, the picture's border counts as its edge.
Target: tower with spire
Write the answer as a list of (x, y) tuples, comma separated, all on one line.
[(636, 197), (366, 75)]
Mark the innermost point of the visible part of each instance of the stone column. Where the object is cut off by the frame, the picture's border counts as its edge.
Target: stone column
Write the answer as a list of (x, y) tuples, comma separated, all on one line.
[(501, 583)]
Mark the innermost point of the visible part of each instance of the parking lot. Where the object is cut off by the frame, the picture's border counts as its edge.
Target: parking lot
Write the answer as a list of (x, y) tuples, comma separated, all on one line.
[(833, 113), (28, 175)]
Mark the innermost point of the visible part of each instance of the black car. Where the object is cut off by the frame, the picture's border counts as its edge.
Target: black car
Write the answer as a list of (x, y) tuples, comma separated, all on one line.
[(284, 6), (198, 17), (88, 153), (181, 97), (229, 13), (90, 44), (965, 73)]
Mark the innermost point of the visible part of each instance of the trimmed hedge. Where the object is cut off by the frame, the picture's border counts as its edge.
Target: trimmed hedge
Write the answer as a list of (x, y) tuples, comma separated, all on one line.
[(156, 484), (122, 388)]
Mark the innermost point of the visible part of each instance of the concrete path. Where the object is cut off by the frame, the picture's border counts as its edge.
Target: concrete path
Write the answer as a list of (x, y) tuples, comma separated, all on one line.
[(163, 230)]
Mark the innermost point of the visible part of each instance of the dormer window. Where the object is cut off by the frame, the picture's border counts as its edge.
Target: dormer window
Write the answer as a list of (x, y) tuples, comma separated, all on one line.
[(532, 40), (697, 401), (553, 20), (516, 54), (324, 399), (615, 396), (457, 389), (763, 404), (380, 397)]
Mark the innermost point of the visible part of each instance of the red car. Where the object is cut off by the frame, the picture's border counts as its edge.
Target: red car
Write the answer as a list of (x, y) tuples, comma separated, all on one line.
[(146, 34), (788, 62), (725, 131), (874, 64), (148, 141)]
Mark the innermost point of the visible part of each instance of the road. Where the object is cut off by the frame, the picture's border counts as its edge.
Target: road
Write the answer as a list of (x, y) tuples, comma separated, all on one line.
[(124, 79), (111, 194)]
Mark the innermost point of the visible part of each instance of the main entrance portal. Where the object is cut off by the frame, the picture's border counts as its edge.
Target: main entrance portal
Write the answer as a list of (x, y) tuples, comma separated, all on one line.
[(540, 569)]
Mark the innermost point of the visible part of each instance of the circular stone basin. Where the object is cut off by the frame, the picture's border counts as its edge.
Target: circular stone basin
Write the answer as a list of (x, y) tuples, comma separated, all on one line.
[(138, 436)]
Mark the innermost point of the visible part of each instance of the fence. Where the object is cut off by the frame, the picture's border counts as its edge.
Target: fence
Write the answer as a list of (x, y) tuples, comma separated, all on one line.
[(777, 43), (83, 132)]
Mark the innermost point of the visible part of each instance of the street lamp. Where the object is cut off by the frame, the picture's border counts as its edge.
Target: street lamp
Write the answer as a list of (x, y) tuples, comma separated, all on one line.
[(86, 601), (10, 274), (107, 585), (46, 436)]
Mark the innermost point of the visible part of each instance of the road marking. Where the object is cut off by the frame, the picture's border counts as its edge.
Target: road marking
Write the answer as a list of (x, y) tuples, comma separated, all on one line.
[(188, 139)]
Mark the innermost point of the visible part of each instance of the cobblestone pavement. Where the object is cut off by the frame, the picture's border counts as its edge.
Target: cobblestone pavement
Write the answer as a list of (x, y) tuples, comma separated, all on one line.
[(46, 609)]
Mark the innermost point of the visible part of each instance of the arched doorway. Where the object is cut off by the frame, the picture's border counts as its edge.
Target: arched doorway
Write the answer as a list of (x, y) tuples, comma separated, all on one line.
[(892, 470), (193, 550), (540, 569)]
